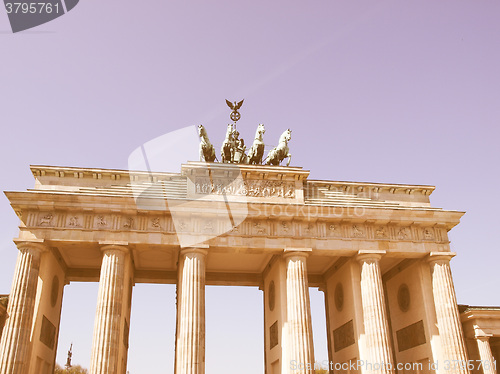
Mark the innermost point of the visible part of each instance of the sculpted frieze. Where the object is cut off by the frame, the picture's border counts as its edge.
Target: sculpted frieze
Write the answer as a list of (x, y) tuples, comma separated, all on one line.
[(46, 220), (333, 231), (279, 227), (428, 233), (74, 221), (240, 187), (128, 223), (358, 231), (183, 226), (101, 221), (260, 228), (381, 232), (309, 229), (208, 227), (155, 223), (403, 233)]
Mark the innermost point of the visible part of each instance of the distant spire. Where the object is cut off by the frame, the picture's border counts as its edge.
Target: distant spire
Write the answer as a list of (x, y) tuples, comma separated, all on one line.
[(70, 353)]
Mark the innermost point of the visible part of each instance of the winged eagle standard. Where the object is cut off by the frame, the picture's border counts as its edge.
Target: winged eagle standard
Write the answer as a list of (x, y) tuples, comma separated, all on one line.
[(235, 115)]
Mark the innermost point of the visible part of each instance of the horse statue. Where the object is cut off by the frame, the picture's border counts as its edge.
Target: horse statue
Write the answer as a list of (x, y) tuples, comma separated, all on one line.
[(227, 150), (207, 150), (279, 153), (257, 150)]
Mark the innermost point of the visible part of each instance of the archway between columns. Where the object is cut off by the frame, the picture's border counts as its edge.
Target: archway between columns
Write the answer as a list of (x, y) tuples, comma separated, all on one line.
[(319, 326), (152, 329), (77, 322), (234, 330)]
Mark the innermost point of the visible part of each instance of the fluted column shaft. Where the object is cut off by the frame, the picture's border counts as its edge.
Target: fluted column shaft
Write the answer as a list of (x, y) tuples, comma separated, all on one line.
[(106, 340), (3, 316), (299, 347), (15, 343), (190, 340), (379, 352), (448, 319), (487, 359)]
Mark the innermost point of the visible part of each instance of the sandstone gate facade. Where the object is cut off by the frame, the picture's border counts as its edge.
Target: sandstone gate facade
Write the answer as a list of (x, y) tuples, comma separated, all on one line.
[(380, 253)]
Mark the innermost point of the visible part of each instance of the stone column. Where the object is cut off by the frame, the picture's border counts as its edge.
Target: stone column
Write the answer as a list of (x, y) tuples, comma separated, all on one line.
[(190, 336), (448, 319), (377, 339), (487, 359), (106, 341), (15, 344), (299, 347), (3, 311)]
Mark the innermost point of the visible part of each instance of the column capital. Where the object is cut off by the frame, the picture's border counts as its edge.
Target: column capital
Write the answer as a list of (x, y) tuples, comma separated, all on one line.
[(36, 244), (484, 338), (481, 335), (300, 252), (113, 242), (435, 257), (201, 249), (367, 255), (114, 246)]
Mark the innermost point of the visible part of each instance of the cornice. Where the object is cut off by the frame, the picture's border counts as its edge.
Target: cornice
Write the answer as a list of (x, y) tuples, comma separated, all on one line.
[(374, 187)]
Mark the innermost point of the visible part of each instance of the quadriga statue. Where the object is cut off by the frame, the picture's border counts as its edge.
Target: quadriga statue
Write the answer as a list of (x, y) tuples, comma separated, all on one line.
[(279, 153), (207, 150), (257, 150)]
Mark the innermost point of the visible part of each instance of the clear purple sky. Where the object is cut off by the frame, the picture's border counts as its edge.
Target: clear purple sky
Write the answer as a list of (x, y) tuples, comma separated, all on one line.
[(385, 91)]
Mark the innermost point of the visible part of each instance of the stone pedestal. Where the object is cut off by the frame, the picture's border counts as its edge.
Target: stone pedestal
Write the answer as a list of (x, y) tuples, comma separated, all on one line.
[(445, 302), (190, 339), (106, 341), (487, 359), (15, 343), (299, 347), (377, 341)]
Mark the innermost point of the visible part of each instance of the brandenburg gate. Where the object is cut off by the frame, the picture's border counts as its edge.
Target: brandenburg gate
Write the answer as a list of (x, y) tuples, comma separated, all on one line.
[(380, 253)]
